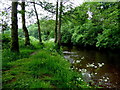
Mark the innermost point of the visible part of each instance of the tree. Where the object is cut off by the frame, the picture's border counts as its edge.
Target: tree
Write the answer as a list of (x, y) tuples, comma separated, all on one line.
[(46, 6), (27, 40), (56, 24), (14, 29), (39, 31), (59, 24)]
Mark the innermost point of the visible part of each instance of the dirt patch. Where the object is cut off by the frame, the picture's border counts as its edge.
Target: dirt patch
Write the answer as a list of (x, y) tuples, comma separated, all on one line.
[(33, 53)]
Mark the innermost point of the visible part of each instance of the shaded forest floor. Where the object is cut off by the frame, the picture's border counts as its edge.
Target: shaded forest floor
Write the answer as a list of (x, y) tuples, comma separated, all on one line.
[(40, 68)]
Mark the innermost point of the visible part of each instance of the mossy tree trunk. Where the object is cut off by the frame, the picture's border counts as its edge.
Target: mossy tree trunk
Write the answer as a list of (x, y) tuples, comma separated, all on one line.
[(14, 29), (27, 40)]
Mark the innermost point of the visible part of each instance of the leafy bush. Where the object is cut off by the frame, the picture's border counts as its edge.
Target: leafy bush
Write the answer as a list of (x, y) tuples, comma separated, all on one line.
[(108, 39)]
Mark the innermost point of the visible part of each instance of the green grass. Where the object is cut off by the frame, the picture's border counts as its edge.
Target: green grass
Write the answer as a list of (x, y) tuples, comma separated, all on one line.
[(25, 51), (8, 56), (43, 69)]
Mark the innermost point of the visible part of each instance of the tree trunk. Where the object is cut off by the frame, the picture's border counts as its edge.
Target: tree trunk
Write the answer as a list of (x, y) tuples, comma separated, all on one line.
[(2, 27), (56, 24), (59, 25), (27, 40), (14, 29), (39, 31)]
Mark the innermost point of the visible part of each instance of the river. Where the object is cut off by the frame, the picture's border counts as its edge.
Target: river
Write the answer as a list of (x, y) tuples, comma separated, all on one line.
[(98, 67)]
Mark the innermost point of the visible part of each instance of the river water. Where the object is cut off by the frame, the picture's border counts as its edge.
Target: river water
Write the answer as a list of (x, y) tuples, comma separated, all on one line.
[(99, 68)]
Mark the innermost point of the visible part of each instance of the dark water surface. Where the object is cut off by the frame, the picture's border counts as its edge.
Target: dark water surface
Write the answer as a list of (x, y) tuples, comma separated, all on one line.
[(101, 68)]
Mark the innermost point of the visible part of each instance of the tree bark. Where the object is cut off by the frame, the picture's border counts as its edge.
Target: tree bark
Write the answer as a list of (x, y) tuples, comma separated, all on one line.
[(39, 31), (27, 40), (56, 24), (14, 29), (59, 25)]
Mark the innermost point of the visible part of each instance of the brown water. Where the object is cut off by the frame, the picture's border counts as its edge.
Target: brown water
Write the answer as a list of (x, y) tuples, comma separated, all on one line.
[(100, 68)]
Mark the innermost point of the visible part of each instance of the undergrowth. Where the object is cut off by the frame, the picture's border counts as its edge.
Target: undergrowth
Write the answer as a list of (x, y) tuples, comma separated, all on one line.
[(44, 68)]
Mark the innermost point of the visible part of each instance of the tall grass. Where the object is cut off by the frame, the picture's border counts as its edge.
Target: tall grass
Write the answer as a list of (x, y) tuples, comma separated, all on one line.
[(42, 69), (25, 51)]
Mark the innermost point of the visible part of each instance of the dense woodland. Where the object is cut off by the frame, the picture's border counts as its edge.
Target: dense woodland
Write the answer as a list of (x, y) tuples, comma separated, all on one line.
[(32, 55)]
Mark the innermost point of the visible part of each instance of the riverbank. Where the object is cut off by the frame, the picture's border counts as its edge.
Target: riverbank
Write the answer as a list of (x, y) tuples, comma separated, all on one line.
[(91, 47), (42, 69)]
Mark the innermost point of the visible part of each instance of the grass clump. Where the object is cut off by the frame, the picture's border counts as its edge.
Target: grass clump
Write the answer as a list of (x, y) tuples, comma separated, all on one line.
[(8, 56)]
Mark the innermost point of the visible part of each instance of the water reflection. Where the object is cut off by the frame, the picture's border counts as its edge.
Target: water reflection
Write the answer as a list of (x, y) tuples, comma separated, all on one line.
[(99, 68)]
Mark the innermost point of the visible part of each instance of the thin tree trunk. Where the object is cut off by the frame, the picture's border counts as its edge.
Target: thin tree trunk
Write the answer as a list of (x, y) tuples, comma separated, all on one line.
[(14, 29), (27, 40), (59, 25), (56, 24), (39, 31), (2, 27)]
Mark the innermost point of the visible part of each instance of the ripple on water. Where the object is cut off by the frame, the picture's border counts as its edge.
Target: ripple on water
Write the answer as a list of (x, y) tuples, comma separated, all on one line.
[(67, 52), (91, 64)]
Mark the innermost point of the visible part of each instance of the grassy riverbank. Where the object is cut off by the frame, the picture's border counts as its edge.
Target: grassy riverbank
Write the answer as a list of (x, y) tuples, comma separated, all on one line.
[(39, 67)]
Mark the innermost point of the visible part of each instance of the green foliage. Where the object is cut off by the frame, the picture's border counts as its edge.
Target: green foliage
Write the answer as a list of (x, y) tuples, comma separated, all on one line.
[(45, 68), (21, 33), (49, 46), (25, 51), (52, 62), (47, 29), (66, 37), (47, 26), (6, 41), (8, 56), (100, 30), (85, 35), (108, 39)]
